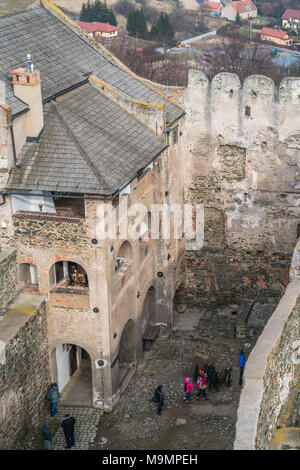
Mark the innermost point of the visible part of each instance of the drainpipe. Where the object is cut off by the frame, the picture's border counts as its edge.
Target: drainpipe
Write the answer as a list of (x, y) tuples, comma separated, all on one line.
[(11, 126)]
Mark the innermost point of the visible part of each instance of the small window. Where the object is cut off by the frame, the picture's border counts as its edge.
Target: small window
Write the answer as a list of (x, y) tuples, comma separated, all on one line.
[(175, 135), (247, 111), (298, 230)]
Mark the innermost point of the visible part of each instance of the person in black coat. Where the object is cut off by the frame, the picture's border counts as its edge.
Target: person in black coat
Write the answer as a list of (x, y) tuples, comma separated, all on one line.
[(68, 428), (159, 398), (213, 378)]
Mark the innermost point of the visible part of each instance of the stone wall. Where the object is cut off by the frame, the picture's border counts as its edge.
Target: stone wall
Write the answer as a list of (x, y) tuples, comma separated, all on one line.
[(242, 163), (281, 382), (271, 378), (24, 370), (8, 278)]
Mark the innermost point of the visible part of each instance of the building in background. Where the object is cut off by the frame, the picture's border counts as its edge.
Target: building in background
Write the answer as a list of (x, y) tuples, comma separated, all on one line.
[(100, 30), (275, 35), (291, 20), (245, 8)]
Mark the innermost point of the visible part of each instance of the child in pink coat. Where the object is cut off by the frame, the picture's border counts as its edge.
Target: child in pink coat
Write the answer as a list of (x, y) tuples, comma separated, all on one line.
[(188, 386)]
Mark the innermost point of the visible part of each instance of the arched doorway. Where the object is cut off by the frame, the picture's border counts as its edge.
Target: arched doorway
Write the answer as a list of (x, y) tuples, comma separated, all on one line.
[(74, 375), (127, 355), (150, 329)]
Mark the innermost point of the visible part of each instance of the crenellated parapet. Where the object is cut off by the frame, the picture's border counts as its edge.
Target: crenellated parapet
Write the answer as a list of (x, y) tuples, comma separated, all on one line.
[(225, 104)]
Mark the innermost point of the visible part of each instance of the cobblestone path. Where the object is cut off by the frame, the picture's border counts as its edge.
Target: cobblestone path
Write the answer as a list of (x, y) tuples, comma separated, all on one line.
[(87, 421)]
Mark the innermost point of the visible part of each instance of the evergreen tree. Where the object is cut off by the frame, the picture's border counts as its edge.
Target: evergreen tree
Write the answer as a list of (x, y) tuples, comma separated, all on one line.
[(136, 24), (112, 17), (238, 20), (83, 13), (163, 29)]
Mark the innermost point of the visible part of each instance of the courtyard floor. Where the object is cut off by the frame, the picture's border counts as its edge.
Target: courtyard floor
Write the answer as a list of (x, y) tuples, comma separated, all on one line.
[(134, 424), (200, 424)]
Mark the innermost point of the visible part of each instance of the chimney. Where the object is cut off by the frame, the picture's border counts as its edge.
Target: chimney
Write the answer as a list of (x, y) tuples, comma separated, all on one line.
[(27, 87)]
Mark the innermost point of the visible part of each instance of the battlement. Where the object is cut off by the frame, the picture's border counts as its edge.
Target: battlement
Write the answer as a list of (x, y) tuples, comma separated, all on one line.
[(224, 104)]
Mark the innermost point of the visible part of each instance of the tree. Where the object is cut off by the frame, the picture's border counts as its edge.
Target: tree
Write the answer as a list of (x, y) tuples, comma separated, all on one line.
[(163, 30), (97, 11), (136, 24), (238, 19)]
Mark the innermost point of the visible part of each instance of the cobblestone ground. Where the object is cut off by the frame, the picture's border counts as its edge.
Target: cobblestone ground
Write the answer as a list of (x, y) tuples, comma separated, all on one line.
[(199, 425), (87, 420)]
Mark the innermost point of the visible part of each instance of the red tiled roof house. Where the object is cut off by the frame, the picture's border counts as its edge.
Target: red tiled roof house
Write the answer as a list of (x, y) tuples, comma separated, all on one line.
[(275, 35), (291, 20), (99, 30), (211, 7), (245, 8)]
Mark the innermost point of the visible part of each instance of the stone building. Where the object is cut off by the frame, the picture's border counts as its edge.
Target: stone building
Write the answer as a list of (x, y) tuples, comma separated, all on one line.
[(81, 133)]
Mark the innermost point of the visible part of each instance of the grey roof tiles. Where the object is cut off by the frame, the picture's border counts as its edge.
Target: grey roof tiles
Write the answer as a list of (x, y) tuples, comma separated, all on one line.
[(81, 151), (63, 57)]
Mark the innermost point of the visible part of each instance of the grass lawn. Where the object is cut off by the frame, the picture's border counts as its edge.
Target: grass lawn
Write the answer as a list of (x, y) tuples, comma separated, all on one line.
[(8, 7)]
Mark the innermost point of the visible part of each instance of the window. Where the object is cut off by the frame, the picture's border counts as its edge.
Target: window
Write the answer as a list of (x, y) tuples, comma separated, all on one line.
[(247, 111), (175, 135)]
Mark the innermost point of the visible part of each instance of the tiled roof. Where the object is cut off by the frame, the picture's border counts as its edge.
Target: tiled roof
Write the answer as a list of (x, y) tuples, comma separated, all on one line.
[(210, 5), (63, 58), (243, 5), (276, 33), (96, 26), (295, 14), (89, 145)]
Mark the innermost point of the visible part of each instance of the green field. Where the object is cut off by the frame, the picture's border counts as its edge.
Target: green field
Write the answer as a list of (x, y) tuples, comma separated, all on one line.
[(8, 7)]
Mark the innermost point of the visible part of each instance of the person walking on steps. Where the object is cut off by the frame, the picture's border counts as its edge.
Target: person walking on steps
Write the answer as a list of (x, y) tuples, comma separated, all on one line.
[(68, 428), (47, 437), (53, 397), (213, 379)]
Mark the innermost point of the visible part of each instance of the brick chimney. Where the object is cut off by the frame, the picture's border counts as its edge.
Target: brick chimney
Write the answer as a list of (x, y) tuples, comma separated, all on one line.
[(27, 87)]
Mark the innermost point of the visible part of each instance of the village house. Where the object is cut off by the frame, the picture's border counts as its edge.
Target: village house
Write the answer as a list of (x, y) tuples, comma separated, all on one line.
[(291, 20), (81, 134), (99, 30), (275, 35), (213, 8), (245, 8)]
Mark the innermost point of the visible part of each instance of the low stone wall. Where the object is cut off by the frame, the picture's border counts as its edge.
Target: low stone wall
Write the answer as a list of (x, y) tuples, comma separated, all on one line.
[(24, 370), (8, 278), (271, 374)]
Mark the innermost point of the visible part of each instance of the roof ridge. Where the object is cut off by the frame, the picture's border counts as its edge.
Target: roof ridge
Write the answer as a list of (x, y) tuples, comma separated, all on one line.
[(82, 152)]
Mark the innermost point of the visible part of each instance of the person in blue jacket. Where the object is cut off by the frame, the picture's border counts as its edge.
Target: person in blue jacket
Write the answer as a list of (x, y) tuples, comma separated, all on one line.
[(242, 365), (47, 437), (53, 397)]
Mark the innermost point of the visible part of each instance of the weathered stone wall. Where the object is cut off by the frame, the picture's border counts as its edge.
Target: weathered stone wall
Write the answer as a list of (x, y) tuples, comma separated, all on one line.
[(281, 382), (242, 163), (8, 278), (24, 375), (271, 378)]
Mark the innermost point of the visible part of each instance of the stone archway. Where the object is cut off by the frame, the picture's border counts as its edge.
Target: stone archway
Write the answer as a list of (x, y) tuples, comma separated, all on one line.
[(127, 355), (74, 374)]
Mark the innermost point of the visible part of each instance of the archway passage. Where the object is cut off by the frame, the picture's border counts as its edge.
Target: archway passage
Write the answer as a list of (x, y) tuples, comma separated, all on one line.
[(74, 375), (149, 329), (127, 355), (28, 278)]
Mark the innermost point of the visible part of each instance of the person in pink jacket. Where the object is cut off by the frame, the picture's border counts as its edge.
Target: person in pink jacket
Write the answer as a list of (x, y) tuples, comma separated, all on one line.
[(188, 386)]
